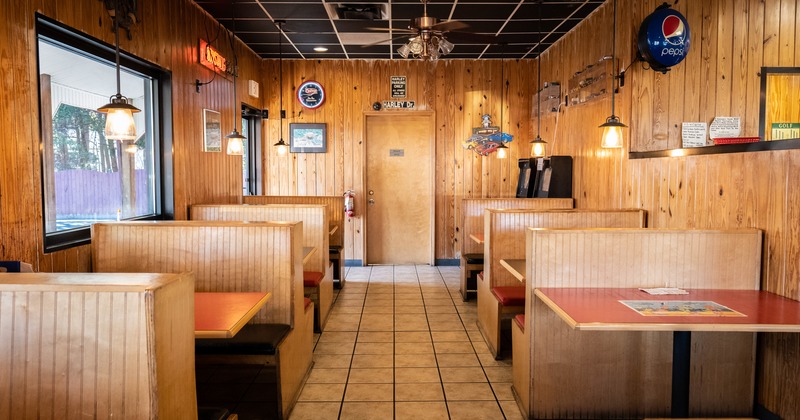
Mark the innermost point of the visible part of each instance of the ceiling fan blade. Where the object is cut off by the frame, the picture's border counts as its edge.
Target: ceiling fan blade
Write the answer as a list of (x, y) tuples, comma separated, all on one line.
[(382, 42), (391, 29), (449, 25), (470, 38)]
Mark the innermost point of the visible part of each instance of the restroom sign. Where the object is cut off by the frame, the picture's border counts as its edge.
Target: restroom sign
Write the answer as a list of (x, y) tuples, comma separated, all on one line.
[(398, 86)]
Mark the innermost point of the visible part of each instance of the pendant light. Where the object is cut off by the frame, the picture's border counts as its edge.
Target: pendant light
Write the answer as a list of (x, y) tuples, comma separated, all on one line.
[(235, 139), (539, 146), (283, 148), (612, 128), (119, 113), (502, 150)]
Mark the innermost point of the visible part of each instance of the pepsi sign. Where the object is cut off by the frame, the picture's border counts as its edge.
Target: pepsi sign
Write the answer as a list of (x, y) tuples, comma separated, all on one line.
[(664, 39)]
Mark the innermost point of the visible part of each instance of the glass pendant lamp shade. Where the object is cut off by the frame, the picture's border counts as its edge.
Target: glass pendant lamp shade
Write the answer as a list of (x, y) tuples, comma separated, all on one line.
[(502, 151), (612, 133), (538, 147), (119, 119), (282, 147), (235, 143)]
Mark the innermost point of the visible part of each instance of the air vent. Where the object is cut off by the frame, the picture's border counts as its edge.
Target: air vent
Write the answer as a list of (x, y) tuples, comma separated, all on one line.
[(350, 11)]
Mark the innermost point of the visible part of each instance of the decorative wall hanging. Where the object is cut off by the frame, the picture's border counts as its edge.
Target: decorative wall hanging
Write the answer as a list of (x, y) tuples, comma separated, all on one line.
[(311, 94), (486, 138), (212, 131), (664, 38), (307, 138)]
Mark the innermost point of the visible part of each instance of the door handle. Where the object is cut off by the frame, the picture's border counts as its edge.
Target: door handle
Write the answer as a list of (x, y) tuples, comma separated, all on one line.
[(371, 201)]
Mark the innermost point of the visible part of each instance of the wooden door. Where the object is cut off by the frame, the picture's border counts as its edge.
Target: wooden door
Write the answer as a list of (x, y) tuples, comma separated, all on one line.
[(399, 188)]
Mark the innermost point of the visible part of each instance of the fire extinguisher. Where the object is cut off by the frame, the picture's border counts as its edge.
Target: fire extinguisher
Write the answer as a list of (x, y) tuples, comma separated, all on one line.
[(349, 203)]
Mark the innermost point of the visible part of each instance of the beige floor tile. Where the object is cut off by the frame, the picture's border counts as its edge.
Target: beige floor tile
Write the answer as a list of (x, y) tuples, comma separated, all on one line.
[(375, 337), (511, 410), (350, 303), (441, 310), (465, 391), (474, 410), (438, 301), (374, 348), (315, 411), (384, 323), (419, 392), (412, 337), (367, 411), (436, 318), (338, 337), (410, 318), (502, 390), (447, 326), (413, 348), (405, 309), (481, 347), (487, 360), (421, 411), (342, 326), (366, 361), (378, 310), (445, 336), (327, 376), (449, 347), (369, 392), (345, 310), (322, 392), (462, 374), (378, 302), (458, 360), (334, 348), (416, 375), (499, 374), (332, 361), (371, 376), (414, 360)]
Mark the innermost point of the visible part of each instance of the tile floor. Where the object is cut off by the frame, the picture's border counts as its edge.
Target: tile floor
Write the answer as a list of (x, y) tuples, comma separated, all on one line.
[(400, 343)]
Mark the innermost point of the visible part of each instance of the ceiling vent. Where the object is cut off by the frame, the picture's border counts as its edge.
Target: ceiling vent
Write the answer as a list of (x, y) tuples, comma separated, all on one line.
[(350, 11)]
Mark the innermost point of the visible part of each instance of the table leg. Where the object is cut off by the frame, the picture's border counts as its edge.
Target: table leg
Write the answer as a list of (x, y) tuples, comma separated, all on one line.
[(681, 355)]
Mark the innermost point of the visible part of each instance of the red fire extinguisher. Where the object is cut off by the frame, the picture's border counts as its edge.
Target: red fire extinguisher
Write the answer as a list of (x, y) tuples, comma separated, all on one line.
[(349, 203)]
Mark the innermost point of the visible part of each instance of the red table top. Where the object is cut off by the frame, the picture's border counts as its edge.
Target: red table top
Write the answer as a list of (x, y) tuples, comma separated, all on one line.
[(601, 309), (222, 315)]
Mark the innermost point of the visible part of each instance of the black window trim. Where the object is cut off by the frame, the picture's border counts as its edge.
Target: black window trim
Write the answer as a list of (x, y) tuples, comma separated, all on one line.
[(59, 33)]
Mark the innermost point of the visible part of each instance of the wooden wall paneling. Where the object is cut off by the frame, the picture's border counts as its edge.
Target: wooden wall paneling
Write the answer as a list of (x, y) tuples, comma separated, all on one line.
[(786, 33), (724, 39), (708, 69)]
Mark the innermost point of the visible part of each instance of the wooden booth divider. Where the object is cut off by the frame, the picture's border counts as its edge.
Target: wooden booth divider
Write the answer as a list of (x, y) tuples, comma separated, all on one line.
[(335, 206), (504, 234), (471, 222), (317, 271), (227, 257), (564, 373), (90, 345)]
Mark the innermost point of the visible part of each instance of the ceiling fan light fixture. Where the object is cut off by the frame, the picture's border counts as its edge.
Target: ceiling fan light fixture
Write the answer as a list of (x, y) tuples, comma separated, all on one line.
[(445, 46), (404, 51)]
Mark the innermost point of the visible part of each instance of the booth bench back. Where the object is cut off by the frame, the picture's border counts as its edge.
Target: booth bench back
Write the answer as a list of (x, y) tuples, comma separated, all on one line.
[(627, 372), (224, 257), (314, 218), (90, 345), (333, 203), (472, 214)]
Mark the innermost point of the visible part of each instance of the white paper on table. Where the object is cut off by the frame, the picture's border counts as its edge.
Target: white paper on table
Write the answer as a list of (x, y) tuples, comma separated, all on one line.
[(723, 127), (665, 291), (693, 134)]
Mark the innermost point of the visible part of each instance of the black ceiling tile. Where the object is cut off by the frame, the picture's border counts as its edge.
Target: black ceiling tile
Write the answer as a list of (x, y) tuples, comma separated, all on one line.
[(468, 49), (483, 26), (517, 38), (513, 50), (313, 38), (482, 11), (568, 25), (359, 25), (223, 9), (308, 49), (531, 26), (414, 10), (249, 25), (307, 25), (273, 49), (552, 10), (296, 11), (373, 49), (251, 38)]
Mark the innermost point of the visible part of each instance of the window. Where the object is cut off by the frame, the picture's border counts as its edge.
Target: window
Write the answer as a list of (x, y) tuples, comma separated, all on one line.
[(251, 161), (85, 177)]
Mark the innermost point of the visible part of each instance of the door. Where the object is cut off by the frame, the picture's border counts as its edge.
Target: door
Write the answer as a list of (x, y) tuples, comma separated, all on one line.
[(399, 188)]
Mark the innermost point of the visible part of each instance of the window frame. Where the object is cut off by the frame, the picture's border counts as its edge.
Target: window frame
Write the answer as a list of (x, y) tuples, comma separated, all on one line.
[(254, 119), (60, 34)]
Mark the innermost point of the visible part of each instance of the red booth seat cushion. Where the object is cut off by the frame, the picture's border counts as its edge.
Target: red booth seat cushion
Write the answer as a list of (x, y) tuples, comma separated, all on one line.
[(510, 295), (312, 278), (519, 319), (306, 303)]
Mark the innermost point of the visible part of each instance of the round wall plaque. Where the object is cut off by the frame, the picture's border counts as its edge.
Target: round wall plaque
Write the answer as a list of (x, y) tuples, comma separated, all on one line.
[(311, 94), (664, 39)]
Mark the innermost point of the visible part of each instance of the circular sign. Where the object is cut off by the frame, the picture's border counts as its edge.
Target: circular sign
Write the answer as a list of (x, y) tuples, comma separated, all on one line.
[(664, 39), (311, 94)]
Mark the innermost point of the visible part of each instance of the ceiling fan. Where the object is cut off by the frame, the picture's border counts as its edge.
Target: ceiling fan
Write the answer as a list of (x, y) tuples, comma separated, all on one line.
[(430, 38)]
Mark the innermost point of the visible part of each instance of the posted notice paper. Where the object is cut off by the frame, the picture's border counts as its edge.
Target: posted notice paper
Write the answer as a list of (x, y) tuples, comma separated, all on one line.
[(693, 134), (725, 127)]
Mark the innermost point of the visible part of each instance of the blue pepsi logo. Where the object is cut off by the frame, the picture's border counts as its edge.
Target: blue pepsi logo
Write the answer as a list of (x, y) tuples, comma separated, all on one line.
[(664, 39)]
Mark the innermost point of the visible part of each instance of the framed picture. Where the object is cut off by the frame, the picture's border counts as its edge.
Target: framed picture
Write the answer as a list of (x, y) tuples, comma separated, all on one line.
[(307, 138), (212, 131)]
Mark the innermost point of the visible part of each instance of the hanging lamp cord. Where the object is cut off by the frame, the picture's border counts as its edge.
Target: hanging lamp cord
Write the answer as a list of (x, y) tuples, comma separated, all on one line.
[(539, 77), (613, 58), (116, 43), (234, 70), (280, 75)]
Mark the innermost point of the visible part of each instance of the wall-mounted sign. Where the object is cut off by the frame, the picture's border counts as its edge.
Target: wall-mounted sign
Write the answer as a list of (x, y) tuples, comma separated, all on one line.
[(211, 58), (398, 86), (664, 39), (311, 94), (397, 152), (399, 104)]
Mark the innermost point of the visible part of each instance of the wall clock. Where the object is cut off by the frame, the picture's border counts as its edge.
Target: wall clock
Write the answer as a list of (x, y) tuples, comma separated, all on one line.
[(311, 94)]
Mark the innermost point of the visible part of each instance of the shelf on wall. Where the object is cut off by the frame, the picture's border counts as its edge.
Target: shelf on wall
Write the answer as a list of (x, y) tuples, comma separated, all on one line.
[(760, 146)]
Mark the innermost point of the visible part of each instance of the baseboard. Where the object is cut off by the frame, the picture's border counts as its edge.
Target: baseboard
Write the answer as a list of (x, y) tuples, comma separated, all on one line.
[(353, 263), (448, 262)]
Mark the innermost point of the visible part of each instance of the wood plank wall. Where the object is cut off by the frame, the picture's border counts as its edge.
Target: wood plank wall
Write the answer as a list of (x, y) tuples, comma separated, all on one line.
[(334, 205), (200, 177)]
